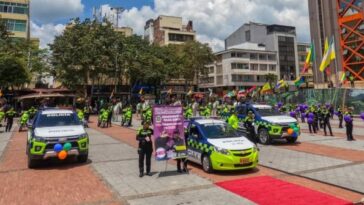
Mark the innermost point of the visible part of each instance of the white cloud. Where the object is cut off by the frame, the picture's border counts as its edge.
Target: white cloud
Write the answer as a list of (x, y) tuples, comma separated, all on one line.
[(214, 20), (47, 11), (46, 32)]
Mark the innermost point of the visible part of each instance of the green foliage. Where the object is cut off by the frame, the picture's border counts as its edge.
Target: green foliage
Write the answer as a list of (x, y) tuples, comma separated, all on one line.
[(12, 71), (90, 52)]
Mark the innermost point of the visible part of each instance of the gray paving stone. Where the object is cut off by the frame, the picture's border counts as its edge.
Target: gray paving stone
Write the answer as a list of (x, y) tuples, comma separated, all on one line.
[(294, 161), (213, 195), (99, 138), (123, 176), (307, 137), (343, 143), (112, 152), (350, 177)]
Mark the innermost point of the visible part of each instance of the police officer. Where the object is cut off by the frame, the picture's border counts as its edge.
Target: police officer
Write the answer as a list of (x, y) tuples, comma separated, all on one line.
[(248, 124), (340, 116), (9, 115), (326, 115), (178, 141), (233, 120), (145, 149), (349, 125)]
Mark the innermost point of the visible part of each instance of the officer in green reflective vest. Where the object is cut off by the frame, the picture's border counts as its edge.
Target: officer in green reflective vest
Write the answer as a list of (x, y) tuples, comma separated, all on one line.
[(9, 115), (248, 124), (145, 148), (233, 120)]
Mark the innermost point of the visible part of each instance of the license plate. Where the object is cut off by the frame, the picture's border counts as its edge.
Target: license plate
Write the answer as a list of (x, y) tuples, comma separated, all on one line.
[(244, 161)]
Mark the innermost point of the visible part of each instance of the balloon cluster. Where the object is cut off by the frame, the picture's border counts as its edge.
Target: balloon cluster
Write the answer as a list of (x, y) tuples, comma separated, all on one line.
[(292, 114), (62, 150), (293, 130), (362, 115), (280, 104), (310, 118)]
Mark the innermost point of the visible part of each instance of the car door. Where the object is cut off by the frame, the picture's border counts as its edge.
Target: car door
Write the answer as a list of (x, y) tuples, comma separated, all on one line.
[(194, 137)]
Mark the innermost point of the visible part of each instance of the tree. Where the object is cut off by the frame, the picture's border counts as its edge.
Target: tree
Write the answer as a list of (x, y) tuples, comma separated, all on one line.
[(84, 53), (13, 72)]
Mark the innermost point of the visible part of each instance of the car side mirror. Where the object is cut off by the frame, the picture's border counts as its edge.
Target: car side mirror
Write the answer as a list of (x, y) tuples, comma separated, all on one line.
[(29, 125)]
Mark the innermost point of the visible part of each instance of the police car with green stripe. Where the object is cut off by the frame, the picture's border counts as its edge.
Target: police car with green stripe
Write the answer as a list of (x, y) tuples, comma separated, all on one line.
[(269, 123), (217, 146), (56, 127)]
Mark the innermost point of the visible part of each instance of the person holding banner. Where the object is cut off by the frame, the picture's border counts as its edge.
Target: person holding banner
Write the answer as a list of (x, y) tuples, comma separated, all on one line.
[(145, 148), (179, 146)]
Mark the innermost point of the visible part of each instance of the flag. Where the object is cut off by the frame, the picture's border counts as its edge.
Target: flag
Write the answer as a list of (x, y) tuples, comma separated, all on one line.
[(141, 91), (1, 93), (298, 82), (266, 87), (281, 84), (328, 56), (251, 89), (326, 45), (343, 77), (210, 92), (310, 58)]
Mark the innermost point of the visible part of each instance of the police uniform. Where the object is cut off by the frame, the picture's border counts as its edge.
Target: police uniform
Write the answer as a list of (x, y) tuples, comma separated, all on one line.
[(326, 120), (9, 115), (234, 121), (349, 127), (145, 149), (248, 124)]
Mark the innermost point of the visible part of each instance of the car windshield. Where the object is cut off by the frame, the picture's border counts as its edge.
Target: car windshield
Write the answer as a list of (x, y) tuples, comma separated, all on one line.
[(216, 131), (268, 112), (57, 119)]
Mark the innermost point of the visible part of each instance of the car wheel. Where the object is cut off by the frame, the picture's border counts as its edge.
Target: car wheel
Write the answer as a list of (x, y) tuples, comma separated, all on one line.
[(32, 163), (264, 136), (82, 158), (291, 140), (206, 164)]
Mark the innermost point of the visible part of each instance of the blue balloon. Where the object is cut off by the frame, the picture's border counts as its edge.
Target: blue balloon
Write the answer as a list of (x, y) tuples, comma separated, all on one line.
[(58, 147), (347, 118), (303, 115), (311, 115), (362, 115), (294, 134), (310, 120)]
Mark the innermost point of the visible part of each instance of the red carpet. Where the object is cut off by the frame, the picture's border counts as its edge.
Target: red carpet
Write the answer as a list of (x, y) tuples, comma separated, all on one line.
[(268, 190)]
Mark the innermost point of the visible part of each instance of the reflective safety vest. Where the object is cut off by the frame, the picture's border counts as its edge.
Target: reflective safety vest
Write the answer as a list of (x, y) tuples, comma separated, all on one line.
[(233, 121)]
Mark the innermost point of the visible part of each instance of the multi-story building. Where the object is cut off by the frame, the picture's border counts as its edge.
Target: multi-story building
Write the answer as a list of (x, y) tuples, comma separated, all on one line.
[(168, 30), (344, 21), (112, 15), (279, 38), (15, 13), (239, 67), (303, 49)]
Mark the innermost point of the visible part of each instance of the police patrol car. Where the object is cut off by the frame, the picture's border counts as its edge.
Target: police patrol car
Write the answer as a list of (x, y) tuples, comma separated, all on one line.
[(217, 146), (269, 123), (56, 126)]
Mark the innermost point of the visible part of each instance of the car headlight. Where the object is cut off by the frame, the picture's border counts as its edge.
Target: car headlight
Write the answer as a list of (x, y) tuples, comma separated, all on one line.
[(39, 139), (255, 148), (222, 151), (83, 136)]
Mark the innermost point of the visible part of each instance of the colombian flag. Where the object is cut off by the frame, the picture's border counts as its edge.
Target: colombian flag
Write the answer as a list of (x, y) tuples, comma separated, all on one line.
[(266, 88), (329, 55), (310, 58)]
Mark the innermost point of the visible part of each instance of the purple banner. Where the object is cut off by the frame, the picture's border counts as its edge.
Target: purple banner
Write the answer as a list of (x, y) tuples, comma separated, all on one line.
[(168, 132)]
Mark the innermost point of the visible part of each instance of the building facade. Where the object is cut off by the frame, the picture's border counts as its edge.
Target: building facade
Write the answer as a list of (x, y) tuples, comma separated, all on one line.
[(302, 50), (15, 13), (278, 38), (343, 21), (168, 30), (239, 67)]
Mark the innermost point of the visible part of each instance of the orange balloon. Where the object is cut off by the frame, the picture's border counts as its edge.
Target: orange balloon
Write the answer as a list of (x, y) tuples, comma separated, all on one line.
[(62, 155), (290, 131)]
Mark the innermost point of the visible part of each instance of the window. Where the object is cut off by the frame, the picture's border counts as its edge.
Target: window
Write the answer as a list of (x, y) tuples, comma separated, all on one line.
[(254, 67), (272, 67), (16, 25), (271, 57), (262, 57), (16, 8), (233, 54), (180, 37), (242, 66), (263, 67), (253, 56), (247, 35)]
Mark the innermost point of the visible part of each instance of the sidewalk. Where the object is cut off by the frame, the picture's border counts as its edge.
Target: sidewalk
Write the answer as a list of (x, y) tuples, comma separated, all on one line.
[(117, 164)]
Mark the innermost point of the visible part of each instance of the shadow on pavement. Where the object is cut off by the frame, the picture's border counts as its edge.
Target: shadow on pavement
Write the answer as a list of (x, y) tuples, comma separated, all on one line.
[(55, 164)]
